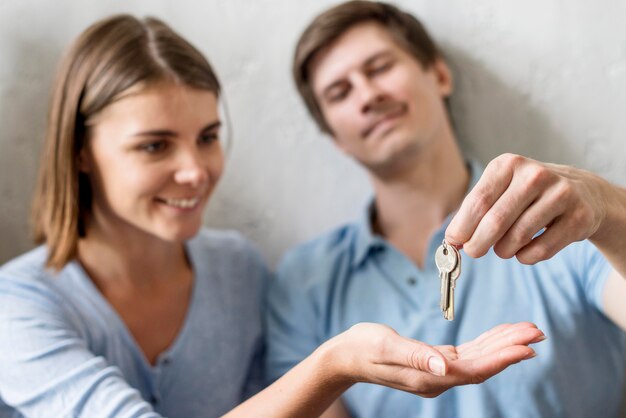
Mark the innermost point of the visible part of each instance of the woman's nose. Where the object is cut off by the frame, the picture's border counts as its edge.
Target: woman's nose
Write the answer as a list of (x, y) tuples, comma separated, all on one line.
[(192, 170)]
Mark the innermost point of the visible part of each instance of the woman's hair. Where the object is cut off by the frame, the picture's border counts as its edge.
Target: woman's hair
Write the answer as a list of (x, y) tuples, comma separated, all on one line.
[(108, 58)]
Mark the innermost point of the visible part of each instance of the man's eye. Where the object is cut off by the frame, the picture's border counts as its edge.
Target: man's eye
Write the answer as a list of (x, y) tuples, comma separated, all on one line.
[(381, 68), (338, 95), (153, 147)]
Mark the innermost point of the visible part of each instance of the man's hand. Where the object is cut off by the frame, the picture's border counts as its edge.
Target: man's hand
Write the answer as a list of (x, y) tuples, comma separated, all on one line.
[(375, 353), (517, 197)]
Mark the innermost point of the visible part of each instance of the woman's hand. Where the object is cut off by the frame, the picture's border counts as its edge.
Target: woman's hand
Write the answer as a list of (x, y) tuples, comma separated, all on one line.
[(377, 354)]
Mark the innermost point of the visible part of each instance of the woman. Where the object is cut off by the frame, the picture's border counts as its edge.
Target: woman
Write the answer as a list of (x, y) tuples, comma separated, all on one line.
[(129, 308)]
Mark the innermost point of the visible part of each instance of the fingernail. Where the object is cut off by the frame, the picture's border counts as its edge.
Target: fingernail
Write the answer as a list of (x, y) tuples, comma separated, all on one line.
[(437, 366), (530, 355), (538, 339)]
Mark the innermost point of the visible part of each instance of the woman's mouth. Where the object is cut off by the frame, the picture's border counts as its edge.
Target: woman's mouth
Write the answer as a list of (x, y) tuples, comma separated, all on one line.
[(187, 203)]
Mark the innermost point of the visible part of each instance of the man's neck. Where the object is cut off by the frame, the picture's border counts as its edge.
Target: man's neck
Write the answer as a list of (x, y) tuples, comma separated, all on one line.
[(412, 203)]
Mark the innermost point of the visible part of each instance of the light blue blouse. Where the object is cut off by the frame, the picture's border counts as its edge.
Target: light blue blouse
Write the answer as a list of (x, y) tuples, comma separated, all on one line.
[(64, 351)]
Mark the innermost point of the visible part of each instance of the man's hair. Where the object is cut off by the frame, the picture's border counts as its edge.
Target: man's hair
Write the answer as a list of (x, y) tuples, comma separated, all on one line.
[(108, 58), (405, 29)]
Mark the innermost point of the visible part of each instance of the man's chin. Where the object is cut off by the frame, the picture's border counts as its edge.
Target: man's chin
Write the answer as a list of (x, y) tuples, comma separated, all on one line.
[(392, 156)]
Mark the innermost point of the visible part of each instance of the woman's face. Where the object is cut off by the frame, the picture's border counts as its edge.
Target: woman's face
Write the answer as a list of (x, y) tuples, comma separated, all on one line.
[(153, 158)]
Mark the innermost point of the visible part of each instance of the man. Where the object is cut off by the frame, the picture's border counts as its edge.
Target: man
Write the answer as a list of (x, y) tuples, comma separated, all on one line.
[(375, 82)]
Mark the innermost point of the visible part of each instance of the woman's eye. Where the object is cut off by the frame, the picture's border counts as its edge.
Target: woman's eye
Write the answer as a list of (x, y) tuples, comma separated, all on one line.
[(209, 138), (153, 147)]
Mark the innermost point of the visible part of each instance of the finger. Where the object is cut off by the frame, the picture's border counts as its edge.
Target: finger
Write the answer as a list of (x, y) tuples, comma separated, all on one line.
[(414, 354), (485, 335), (556, 237), (499, 218), (449, 351), (404, 378), (527, 332), (480, 369), (539, 215), (494, 181), (494, 334), (516, 337)]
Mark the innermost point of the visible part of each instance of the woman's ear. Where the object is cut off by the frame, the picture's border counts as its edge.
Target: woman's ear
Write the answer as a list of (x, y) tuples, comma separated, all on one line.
[(84, 160)]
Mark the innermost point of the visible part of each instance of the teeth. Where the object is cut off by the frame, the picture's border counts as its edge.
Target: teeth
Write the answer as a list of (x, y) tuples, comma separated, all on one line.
[(183, 203)]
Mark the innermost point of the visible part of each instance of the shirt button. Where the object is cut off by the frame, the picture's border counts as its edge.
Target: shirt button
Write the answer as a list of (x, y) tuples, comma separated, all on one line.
[(167, 361), (154, 400), (411, 281)]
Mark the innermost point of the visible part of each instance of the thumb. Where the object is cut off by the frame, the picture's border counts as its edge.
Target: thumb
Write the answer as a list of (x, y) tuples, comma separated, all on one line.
[(417, 355)]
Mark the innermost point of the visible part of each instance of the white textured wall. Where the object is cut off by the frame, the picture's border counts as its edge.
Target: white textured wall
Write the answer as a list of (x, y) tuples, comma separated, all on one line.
[(542, 78)]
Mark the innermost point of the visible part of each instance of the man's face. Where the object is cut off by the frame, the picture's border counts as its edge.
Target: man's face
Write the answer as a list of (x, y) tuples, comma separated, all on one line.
[(379, 102)]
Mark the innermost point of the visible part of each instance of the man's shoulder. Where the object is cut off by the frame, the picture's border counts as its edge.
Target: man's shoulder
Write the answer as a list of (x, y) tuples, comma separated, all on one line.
[(318, 256)]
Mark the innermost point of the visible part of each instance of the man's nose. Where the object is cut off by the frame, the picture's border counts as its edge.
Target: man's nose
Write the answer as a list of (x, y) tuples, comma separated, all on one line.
[(369, 93), (192, 169)]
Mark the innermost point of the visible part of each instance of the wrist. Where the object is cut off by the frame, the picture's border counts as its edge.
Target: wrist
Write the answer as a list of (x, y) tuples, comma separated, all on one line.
[(612, 229), (334, 361)]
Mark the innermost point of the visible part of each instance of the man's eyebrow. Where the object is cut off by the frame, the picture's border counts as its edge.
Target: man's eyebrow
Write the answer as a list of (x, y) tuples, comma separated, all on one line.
[(168, 133), (381, 54), (377, 55)]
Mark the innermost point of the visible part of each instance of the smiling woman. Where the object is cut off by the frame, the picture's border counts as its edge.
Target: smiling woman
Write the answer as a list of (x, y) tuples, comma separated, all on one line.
[(129, 308), (154, 158)]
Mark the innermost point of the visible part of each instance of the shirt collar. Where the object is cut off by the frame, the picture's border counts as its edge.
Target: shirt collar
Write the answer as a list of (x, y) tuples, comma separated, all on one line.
[(367, 240)]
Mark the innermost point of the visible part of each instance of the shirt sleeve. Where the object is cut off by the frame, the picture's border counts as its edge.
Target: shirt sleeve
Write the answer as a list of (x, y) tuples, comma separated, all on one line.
[(594, 272), (291, 317), (46, 368)]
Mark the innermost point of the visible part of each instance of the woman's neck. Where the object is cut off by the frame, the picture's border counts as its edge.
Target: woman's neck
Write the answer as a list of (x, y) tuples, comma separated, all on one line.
[(130, 259)]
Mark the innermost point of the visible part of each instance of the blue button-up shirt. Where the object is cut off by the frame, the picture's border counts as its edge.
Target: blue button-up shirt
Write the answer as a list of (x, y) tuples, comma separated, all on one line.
[(352, 275)]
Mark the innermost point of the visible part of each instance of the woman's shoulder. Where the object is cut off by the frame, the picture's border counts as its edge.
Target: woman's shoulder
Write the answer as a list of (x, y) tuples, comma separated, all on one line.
[(30, 266), (226, 250), (223, 242), (27, 285)]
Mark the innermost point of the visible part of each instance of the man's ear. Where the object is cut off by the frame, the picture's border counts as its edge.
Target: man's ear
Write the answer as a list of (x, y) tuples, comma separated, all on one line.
[(444, 77)]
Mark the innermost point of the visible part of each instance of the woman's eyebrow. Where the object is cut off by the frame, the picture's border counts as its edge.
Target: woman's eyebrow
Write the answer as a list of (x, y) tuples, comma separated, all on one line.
[(212, 126), (169, 133), (156, 132)]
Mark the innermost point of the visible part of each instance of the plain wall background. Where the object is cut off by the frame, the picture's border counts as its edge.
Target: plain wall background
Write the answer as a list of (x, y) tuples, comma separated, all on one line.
[(546, 79)]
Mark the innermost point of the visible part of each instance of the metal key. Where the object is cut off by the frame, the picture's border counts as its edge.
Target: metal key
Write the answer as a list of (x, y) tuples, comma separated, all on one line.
[(446, 260), (453, 277)]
